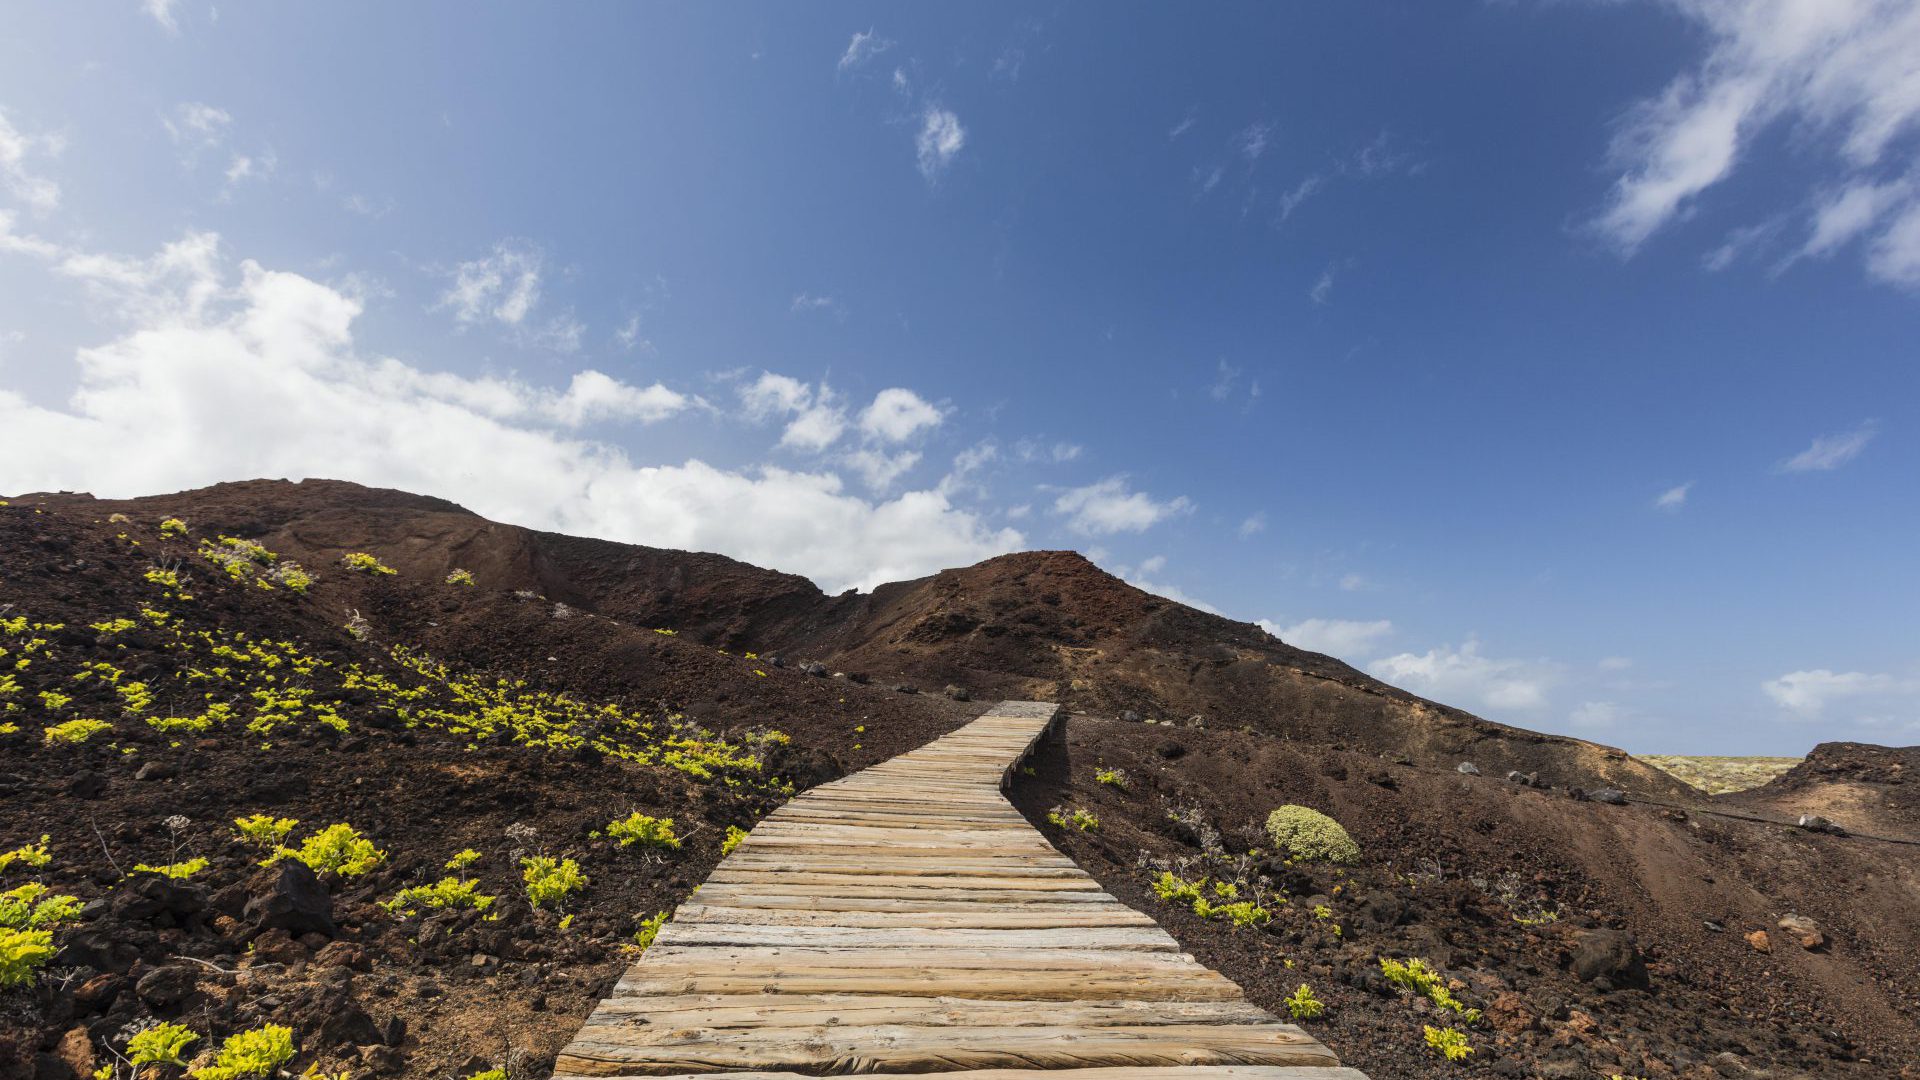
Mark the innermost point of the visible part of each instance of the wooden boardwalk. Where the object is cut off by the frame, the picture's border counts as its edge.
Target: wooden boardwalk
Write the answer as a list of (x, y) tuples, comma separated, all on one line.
[(908, 920)]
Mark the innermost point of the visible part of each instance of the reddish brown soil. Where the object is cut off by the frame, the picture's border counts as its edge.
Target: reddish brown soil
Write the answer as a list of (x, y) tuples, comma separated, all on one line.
[(1439, 851), (1245, 723)]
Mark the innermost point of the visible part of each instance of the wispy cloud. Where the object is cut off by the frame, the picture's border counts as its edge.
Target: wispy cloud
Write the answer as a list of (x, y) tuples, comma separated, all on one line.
[(939, 141), (161, 11), (1348, 639), (20, 180), (807, 302), (1185, 125), (1252, 525), (865, 46), (1111, 506), (1674, 497), (1465, 674), (1322, 292), (1252, 141), (1843, 71), (1829, 452)]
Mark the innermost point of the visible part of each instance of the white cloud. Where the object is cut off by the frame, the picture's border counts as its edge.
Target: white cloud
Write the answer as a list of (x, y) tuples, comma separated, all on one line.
[(1808, 693), (864, 46), (262, 375), (1355, 582), (1674, 497), (1615, 663), (809, 302), (815, 415), (879, 469), (1141, 577), (1344, 638), (941, 138), (1844, 71), (1252, 140), (1185, 125), (161, 12), (896, 415), (1465, 677), (1829, 452), (1304, 190), (628, 335), (593, 396), (1031, 450), (1322, 292), (1253, 523), (197, 125), (1222, 387), (816, 426), (40, 194), (244, 167), (1110, 507), (503, 285), (16, 244), (1595, 714)]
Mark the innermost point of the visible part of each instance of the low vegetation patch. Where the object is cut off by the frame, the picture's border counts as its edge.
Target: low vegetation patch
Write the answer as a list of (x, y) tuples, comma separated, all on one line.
[(1307, 835)]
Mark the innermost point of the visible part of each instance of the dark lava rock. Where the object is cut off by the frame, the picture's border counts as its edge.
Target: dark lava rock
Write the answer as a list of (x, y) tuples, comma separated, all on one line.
[(165, 986), (156, 770), (958, 693), (87, 785), (150, 895), (1467, 768), (814, 668), (905, 688), (98, 950), (1610, 955), (1170, 750), (1610, 796), (295, 902)]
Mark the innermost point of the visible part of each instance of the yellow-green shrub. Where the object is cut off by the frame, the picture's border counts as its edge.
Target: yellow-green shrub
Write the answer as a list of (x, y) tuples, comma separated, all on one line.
[(1448, 1042), (22, 954), (250, 1055), (361, 562), (639, 828), (1310, 836), (550, 880), (160, 1045), (338, 849), (75, 732), (29, 907)]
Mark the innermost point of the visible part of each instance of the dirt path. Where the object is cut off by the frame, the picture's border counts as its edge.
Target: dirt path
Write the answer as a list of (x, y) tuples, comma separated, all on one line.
[(907, 920)]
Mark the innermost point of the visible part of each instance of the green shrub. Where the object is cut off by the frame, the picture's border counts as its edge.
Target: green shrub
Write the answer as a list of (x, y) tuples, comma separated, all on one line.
[(638, 828), (173, 527), (649, 929), (363, 563), (1448, 1042), (250, 1055), (550, 880), (1078, 818), (22, 954), (1310, 836), (1168, 886), (446, 893), (335, 849), (29, 907), (160, 1045), (178, 871), (1302, 1005), (34, 856), (75, 732), (265, 830), (463, 860), (460, 577), (1418, 976), (1242, 913), (735, 834), (1111, 778)]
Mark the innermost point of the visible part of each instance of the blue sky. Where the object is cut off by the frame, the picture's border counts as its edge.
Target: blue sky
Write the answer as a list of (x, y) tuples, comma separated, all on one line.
[(1553, 360)]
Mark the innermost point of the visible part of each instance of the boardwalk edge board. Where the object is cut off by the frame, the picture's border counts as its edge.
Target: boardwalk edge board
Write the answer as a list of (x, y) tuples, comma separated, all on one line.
[(906, 920)]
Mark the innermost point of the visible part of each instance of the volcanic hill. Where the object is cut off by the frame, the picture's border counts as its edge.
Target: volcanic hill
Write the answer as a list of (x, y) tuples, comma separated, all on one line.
[(446, 683)]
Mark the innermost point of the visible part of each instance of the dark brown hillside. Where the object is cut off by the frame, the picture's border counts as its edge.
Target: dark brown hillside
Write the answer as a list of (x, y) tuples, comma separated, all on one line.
[(1597, 938), (1047, 625)]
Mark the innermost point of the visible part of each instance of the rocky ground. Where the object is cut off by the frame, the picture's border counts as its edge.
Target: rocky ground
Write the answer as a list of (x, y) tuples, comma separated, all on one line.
[(1648, 930), (1596, 939), (427, 762)]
